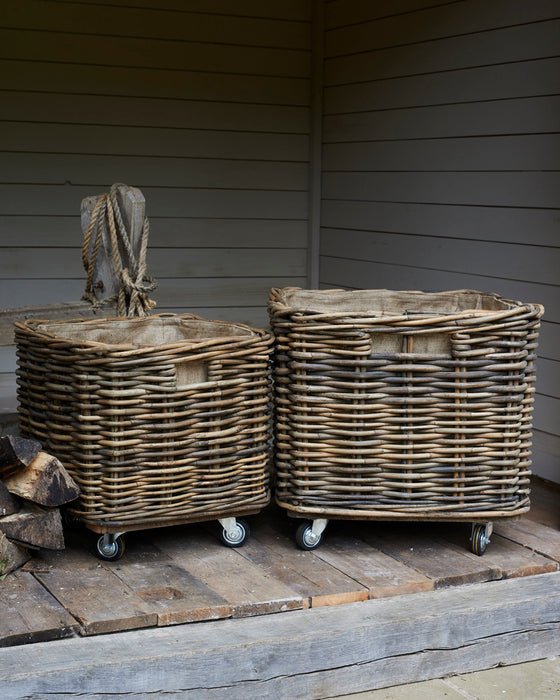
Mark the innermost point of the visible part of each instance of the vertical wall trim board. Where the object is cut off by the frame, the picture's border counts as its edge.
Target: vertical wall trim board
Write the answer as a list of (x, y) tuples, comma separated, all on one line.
[(316, 137)]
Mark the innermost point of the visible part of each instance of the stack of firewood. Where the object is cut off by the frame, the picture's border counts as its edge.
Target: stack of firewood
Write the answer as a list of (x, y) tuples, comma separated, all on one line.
[(33, 486)]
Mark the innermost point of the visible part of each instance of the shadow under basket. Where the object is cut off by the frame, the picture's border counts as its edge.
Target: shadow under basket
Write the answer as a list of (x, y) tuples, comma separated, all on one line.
[(160, 420), (398, 405)]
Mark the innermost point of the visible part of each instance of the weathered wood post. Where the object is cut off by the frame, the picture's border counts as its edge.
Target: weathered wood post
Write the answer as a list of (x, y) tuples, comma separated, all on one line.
[(106, 277)]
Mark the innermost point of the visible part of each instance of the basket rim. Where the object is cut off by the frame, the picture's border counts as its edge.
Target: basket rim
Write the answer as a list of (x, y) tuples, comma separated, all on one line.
[(280, 304), (33, 326)]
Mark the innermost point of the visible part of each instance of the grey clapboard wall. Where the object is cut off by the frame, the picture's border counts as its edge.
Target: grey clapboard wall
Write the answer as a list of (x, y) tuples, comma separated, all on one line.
[(205, 106), (441, 160)]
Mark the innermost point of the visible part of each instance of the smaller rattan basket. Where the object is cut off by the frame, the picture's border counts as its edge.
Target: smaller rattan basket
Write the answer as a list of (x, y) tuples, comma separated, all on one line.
[(403, 405), (159, 420)]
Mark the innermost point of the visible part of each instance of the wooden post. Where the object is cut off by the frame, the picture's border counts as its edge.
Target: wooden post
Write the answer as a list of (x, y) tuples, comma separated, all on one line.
[(106, 281)]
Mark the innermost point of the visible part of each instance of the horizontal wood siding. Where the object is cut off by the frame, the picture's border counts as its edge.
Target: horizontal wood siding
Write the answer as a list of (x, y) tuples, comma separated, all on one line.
[(441, 145), (205, 106)]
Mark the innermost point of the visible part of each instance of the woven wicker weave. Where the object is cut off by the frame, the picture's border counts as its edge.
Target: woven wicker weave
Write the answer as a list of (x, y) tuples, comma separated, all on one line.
[(157, 419), (403, 404)]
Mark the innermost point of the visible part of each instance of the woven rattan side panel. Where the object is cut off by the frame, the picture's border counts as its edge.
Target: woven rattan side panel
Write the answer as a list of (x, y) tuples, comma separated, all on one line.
[(412, 416), (143, 437)]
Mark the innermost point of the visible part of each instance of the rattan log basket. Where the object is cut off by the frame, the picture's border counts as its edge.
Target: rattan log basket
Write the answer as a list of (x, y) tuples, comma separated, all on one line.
[(405, 405), (158, 419)]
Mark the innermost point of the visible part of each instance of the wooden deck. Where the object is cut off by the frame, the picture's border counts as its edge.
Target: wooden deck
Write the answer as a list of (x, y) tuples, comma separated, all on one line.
[(183, 574)]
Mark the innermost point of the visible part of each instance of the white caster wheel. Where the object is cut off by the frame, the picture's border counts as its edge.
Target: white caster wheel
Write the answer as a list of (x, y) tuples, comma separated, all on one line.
[(236, 534)]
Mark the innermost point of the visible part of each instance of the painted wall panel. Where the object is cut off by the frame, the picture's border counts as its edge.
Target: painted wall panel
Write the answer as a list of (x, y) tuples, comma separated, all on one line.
[(206, 106), (441, 160)]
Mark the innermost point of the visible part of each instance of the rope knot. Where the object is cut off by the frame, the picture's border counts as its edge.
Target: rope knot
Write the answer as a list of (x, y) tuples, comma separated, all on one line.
[(134, 284)]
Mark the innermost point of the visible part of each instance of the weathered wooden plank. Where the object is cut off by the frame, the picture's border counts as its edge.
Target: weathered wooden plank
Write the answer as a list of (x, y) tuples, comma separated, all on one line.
[(512, 261), (481, 188), (547, 410), (98, 599), (171, 293), (187, 85), (30, 614), (545, 500), (310, 653), (287, 9), (508, 81), (505, 224), (166, 232), (350, 12), (249, 589), (511, 558), (166, 589), (418, 546), (504, 45), (46, 200), (146, 111), (548, 445), (545, 463), (195, 143), (163, 171), (184, 25), (315, 580), (549, 376), (431, 23), (8, 358), (30, 263), (516, 116), (140, 52), (539, 538), (381, 574), (220, 292), (340, 13), (77, 309), (488, 153)]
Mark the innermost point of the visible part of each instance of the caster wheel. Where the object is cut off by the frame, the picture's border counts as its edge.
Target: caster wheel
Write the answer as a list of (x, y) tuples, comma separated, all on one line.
[(479, 541), (306, 538), (236, 536), (110, 551)]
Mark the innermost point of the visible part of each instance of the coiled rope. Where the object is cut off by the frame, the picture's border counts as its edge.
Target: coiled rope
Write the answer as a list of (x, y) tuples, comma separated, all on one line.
[(132, 298)]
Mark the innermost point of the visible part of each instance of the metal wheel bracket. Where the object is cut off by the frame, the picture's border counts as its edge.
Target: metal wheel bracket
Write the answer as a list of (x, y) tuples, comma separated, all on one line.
[(110, 546), (110, 537), (230, 526), (318, 526)]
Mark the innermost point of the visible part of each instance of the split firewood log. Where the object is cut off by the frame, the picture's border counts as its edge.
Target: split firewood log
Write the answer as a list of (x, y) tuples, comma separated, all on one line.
[(12, 555), (16, 453), (44, 481), (8, 503), (34, 526)]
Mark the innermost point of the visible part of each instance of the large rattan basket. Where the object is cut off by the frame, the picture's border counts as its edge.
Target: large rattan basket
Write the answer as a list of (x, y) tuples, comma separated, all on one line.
[(403, 405), (159, 419)]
